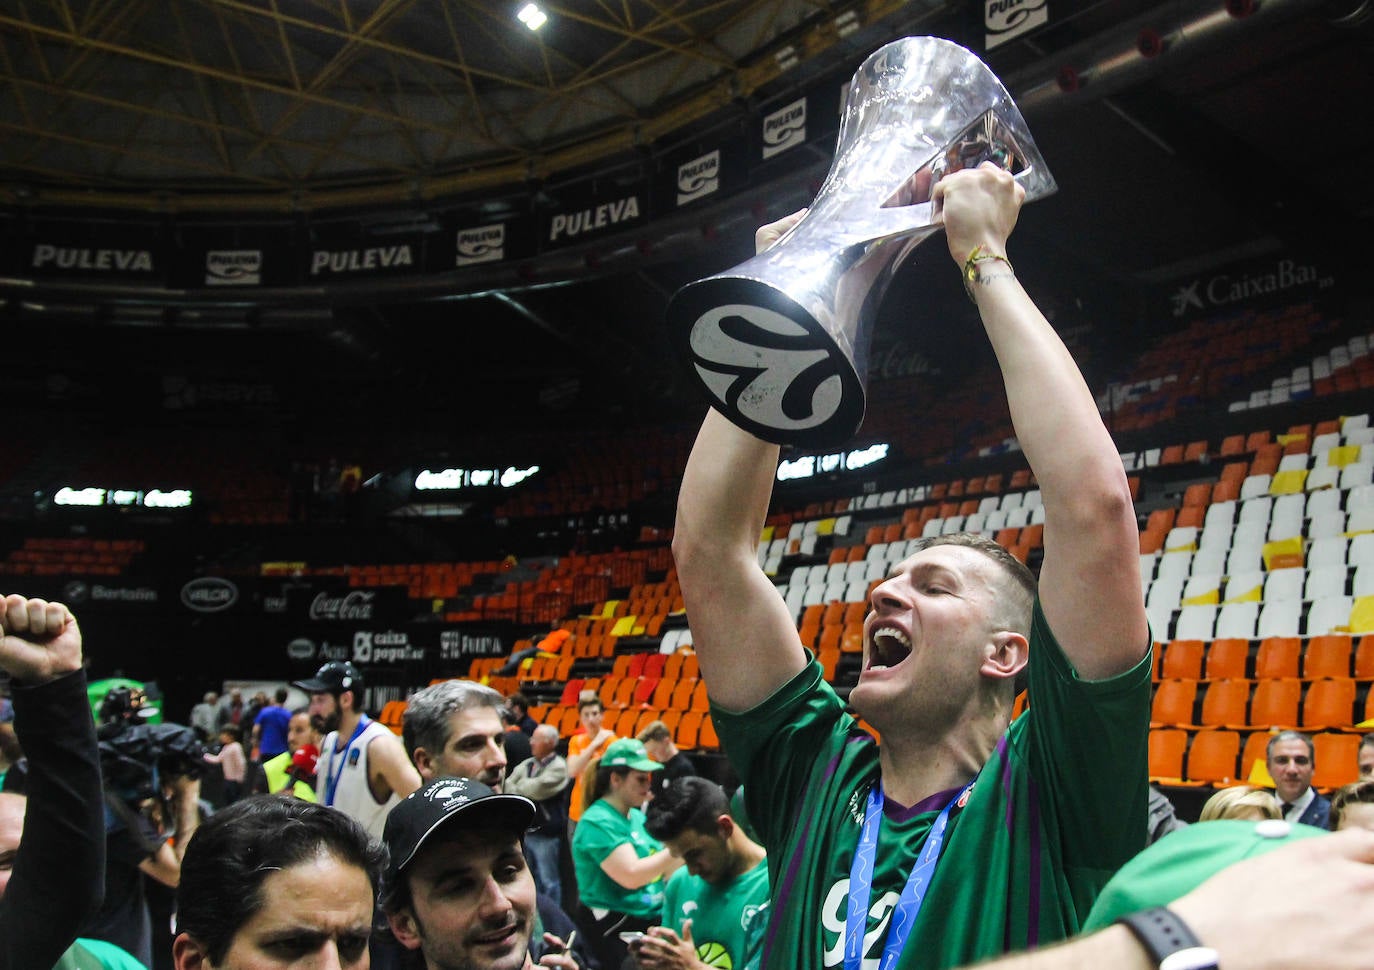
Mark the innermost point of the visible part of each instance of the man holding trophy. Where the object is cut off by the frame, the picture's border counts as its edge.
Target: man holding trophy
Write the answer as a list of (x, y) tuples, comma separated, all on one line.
[(961, 835)]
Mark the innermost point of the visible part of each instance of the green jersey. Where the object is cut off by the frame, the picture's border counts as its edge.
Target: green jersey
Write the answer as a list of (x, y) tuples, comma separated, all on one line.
[(1054, 812), (721, 915), (600, 832)]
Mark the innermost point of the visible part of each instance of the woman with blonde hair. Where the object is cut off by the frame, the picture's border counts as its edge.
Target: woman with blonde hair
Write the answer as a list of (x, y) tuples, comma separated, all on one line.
[(1245, 802)]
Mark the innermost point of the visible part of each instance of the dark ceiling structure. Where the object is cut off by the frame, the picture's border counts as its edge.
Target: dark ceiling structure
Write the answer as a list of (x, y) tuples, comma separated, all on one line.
[(1182, 135)]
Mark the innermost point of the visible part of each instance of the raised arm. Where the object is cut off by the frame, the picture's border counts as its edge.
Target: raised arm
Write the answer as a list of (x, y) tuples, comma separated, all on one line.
[(1089, 582), (57, 868), (743, 632)]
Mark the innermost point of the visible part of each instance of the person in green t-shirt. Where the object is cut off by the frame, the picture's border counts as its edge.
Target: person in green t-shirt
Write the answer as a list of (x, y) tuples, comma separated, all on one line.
[(893, 849), (715, 908), (620, 867)]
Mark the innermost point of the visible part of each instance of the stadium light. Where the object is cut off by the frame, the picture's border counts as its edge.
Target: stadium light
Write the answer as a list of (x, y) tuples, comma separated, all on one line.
[(532, 17)]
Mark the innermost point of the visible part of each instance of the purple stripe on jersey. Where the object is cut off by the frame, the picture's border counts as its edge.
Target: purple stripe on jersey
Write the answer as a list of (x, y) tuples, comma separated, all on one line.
[(794, 863), (1033, 917), (931, 803)]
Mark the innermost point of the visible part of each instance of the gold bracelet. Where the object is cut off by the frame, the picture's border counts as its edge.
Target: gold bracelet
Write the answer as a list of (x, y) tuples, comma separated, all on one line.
[(971, 271)]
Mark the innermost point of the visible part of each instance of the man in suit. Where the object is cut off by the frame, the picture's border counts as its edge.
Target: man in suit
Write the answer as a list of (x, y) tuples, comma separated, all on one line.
[(1290, 760)]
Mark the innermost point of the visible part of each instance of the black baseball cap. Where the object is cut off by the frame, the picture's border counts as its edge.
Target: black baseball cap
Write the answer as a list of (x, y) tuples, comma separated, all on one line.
[(442, 802), (335, 677)]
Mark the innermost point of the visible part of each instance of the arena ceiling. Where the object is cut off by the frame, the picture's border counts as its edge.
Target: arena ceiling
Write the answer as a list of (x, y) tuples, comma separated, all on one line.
[(1246, 133)]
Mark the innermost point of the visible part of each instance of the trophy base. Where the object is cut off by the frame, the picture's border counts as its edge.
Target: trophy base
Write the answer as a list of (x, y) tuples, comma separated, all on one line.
[(767, 363)]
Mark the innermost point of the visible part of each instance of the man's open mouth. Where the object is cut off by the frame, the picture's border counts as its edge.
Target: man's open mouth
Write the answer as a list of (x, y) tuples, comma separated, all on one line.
[(889, 647)]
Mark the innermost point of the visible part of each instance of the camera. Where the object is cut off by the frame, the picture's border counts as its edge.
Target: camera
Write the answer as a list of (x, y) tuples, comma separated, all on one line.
[(136, 758)]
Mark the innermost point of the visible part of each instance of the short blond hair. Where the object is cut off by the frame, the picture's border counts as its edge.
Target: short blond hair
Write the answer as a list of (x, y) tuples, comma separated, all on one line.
[(1240, 801)]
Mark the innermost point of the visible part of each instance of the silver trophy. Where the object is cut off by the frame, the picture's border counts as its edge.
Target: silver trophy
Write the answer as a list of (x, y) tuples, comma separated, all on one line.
[(780, 342)]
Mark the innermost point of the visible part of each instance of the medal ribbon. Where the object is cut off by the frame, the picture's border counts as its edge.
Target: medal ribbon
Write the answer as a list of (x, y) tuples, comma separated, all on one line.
[(913, 893)]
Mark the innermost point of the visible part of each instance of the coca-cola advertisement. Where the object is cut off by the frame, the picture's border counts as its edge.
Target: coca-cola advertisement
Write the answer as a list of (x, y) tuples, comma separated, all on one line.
[(341, 604)]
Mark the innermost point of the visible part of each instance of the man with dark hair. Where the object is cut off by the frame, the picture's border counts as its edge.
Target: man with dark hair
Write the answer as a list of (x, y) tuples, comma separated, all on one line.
[(519, 706), (52, 842), (269, 727), (658, 741), (293, 771), (368, 773), (274, 883), (1365, 758), (1291, 759), (854, 830), (454, 728), (583, 747), (457, 889), (715, 908)]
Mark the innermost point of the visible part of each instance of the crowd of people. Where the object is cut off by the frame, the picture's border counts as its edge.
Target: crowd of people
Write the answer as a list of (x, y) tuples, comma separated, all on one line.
[(965, 836)]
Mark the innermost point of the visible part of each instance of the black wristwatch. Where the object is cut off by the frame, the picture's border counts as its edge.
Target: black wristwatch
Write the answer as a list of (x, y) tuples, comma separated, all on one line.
[(1171, 944)]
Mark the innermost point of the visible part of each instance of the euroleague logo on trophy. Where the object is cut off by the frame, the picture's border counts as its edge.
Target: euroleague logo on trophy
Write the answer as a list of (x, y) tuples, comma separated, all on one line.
[(780, 342)]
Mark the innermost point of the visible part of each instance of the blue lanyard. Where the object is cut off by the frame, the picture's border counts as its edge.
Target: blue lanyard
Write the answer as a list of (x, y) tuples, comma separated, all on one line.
[(331, 778), (913, 894)]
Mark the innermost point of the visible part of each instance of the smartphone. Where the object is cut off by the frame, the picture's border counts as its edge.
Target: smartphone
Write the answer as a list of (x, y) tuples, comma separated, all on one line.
[(631, 937)]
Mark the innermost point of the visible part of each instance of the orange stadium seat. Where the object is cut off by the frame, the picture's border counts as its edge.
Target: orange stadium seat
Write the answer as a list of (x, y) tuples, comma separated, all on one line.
[(1227, 658)]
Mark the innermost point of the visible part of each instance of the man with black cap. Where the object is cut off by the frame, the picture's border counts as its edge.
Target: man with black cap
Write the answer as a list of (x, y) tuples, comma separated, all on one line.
[(457, 889), (363, 770)]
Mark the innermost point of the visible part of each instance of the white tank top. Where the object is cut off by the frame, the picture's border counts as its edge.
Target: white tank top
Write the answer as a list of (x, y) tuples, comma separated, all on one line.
[(351, 793)]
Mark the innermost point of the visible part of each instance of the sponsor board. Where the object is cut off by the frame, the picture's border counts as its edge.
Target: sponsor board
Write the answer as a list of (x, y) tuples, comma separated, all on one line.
[(1253, 283), (481, 244), (81, 259), (358, 604), (784, 128), (362, 261), (233, 267), (568, 226), (1004, 20), (698, 177), (209, 594), (455, 645), (388, 646), (79, 591)]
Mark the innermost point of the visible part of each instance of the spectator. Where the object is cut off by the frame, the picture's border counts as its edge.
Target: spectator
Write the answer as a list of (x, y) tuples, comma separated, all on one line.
[(1291, 759), (205, 716), (582, 748), (1162, 819), (457, 889), (620, 867), (231, 761), (250, 715), (715, 909), (517, 741), (230, 710), (543, 779), (519, 706), (277, 883), (1244, 802), (138, 845), (1366, 757), (270, 726), (1352, 806), (453, 728), (1060, 798), (658, 741), (294, 770), (52, 842), (367, 774)]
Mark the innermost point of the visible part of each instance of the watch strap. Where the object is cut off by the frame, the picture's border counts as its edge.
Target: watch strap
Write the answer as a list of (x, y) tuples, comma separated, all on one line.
[(1169, 941)]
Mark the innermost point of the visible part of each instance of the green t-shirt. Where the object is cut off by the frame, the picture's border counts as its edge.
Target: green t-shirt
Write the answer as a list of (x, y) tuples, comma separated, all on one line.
[(600, 831), (1055, 811), (721, 915), (97, 955)]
